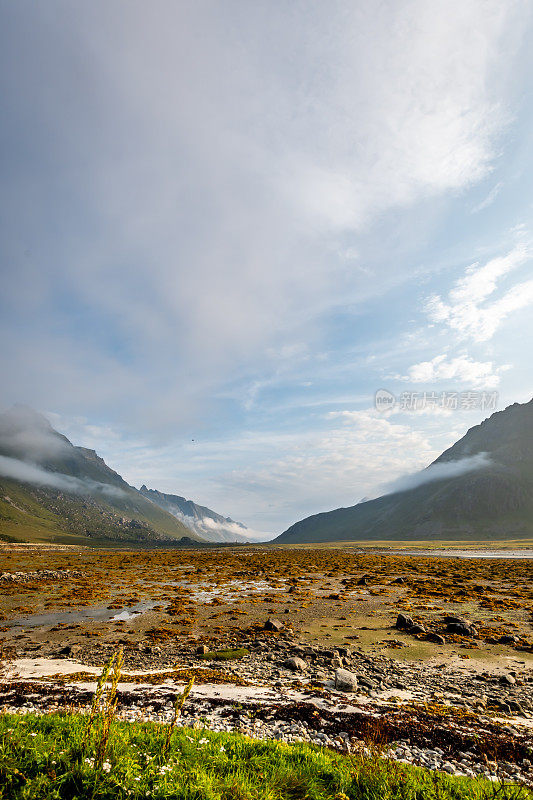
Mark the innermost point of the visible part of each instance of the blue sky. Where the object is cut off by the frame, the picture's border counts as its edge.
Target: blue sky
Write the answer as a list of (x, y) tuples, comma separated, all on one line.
[(225, 226)]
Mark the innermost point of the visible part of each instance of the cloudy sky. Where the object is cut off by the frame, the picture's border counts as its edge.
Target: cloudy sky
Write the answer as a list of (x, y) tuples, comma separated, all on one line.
[(226, 225)]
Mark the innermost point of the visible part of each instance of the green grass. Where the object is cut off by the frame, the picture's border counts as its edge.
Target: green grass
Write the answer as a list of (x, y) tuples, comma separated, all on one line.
[(224, 655), (45, 757)]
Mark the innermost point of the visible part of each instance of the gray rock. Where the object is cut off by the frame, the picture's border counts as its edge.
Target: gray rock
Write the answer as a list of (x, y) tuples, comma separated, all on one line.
[(345, 681), (274, 625), (295, 664), (436, 637), (508, 680), (69, 650), (404, 622), (368, 683), (508, 639), (417, 629), (461, 629)]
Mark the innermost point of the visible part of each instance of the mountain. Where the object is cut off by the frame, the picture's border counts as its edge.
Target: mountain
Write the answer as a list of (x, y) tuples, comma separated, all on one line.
[(208, 524), (51, 490), (480, 488)]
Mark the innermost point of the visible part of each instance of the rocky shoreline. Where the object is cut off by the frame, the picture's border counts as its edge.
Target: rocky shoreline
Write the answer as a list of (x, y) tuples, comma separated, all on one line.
[(450, 717)]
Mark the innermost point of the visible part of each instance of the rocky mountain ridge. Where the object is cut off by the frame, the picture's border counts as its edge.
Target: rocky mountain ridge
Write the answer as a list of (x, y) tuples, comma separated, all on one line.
[(492, 500)]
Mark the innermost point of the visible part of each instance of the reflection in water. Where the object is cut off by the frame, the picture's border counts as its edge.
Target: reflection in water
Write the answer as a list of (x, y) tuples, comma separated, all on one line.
[(99, 613), (200, 592)]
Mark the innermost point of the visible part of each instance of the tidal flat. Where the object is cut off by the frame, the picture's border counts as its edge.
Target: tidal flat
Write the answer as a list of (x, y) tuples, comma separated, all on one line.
[(266, 633), (51, 598)]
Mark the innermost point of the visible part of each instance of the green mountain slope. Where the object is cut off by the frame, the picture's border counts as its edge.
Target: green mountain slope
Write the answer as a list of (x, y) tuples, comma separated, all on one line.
[(453, 500), (51, 490), (206, 523)]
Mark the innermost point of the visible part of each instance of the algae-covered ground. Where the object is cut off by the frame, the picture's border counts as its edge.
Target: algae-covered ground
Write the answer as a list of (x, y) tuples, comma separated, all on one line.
[(339, 596)]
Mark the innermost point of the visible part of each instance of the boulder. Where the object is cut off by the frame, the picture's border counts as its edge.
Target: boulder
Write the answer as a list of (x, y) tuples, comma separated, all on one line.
[(368, 683), (69, 650), (464, 628), (295, 664), (436, 637), (345, 681), (515, 706), (274, 625), (202, 650), (507, 680), (417, 629), (403, 622)]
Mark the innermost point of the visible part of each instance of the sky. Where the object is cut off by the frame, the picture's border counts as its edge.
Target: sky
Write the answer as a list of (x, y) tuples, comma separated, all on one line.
[(226, 226)]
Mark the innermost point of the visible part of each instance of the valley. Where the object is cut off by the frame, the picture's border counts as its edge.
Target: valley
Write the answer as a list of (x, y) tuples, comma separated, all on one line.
[(266, 633)]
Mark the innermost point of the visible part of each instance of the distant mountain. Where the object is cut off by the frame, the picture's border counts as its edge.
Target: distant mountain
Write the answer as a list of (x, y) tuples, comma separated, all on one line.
[(206, 523), (51, 490), (480, 488)]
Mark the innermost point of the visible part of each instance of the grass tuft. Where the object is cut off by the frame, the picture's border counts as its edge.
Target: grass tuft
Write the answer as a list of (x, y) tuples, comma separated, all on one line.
[(224, 655)]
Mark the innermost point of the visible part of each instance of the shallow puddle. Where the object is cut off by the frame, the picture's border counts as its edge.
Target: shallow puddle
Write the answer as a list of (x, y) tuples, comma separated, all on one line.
[(100, 613), (464, 553), (229, 593)]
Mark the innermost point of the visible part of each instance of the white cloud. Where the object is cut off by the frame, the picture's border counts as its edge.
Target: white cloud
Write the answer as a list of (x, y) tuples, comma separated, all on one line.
[(489, 199), (468, 310), (462, 369), (436, 472), (31, 473), (336, 466), (213, 158)]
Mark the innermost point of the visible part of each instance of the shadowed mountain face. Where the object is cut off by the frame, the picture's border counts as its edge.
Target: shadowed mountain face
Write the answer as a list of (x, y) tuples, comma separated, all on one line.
[(206, 523), (51, 490), (480, 488), (28, 436)]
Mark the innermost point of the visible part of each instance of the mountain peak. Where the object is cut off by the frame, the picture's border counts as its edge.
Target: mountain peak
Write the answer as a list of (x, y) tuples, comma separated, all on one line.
[(480, 488), (23, 417), (200, 519)]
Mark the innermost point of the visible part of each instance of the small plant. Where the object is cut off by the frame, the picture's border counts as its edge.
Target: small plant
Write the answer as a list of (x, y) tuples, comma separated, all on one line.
[(108, 710), (97, 696), (178, 705)]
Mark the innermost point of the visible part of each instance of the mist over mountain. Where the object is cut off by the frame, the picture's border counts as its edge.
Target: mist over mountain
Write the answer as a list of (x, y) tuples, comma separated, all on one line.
[(27, 436), (480, 488), (202, 520), (51, 490)]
